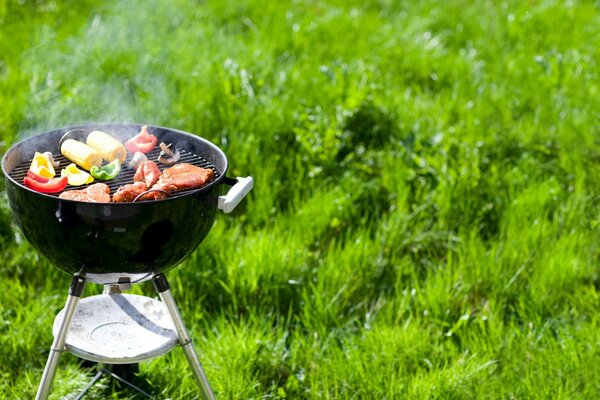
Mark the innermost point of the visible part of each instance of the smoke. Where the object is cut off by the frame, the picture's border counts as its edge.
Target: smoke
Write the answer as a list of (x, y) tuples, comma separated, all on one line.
[(116, 68), (186, 65)]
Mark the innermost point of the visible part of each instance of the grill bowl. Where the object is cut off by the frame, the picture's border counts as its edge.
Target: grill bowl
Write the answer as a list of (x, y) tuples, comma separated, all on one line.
[(115, 242)]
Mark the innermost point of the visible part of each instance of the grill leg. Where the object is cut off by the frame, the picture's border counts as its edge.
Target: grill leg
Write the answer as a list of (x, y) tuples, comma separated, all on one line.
[(162, 287), (58, 345)]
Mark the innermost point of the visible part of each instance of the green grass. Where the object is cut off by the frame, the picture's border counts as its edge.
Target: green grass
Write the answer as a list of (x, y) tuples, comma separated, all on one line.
[(426, 212)]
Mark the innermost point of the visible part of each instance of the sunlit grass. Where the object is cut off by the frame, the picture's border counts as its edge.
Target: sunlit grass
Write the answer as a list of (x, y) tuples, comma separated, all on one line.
[(424, 222)]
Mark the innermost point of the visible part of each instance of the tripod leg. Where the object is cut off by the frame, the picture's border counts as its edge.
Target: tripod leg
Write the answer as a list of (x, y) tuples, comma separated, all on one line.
[(162, 287), (58, 345)]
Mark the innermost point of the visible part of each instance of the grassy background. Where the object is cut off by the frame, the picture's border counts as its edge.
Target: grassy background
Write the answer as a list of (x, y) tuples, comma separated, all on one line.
[(425, 218)]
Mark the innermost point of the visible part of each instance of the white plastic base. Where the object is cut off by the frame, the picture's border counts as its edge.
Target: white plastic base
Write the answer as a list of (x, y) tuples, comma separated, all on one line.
[(119, 329)]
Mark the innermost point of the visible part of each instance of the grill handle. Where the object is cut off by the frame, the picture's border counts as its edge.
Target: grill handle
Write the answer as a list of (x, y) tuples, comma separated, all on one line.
[(241, 187)]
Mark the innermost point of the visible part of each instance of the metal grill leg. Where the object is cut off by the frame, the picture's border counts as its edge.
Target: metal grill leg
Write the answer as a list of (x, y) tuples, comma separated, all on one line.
[(58, 345), (162, 287)]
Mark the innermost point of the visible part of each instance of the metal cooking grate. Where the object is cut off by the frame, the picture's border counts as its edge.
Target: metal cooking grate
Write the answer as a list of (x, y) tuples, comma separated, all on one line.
[(126, 174)]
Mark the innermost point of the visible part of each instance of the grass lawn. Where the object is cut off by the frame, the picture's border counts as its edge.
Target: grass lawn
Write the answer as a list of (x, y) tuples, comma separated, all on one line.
[(425, 222)]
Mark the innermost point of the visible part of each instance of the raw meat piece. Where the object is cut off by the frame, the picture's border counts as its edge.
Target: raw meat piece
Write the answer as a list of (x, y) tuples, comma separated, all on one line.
[(183, 176), (96, 193), (148, 173), (127, 193)]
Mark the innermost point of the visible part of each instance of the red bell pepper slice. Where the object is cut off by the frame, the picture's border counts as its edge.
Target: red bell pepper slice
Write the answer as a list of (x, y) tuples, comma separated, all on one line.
[(36, 177), (142, 142), (45, 185)]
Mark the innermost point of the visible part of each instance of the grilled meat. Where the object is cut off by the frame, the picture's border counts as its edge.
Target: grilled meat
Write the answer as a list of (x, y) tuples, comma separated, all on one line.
[(145, 176), (154, 194), (183, 176), (96, 193), (128, 193), (148, 173)]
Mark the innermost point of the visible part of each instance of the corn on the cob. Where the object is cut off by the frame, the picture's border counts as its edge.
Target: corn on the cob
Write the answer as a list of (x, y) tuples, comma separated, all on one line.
[(81, 154), (109, 147)]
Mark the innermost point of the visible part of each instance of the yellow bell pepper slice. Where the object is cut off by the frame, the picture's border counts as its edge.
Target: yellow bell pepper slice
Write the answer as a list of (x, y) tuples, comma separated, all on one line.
[(42, 166), (76, 176)]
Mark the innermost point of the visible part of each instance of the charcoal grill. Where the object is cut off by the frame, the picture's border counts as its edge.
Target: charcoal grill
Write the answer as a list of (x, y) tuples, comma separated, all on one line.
[(119, 244)]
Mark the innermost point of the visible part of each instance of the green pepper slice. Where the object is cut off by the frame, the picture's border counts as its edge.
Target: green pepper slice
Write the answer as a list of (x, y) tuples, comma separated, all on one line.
[(109, 171)]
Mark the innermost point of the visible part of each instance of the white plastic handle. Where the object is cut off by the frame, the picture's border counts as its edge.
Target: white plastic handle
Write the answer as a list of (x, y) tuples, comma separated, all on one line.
[(237, 192)]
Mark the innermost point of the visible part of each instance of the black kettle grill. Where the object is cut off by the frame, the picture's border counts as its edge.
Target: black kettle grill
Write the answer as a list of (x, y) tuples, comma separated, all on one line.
[(117, 244)]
